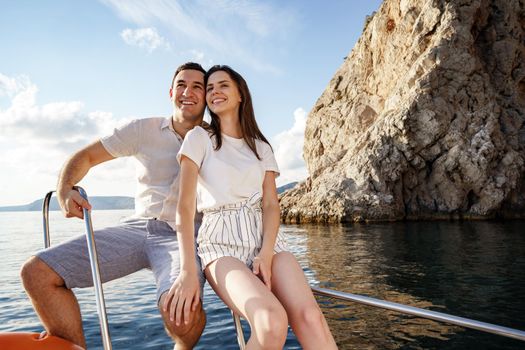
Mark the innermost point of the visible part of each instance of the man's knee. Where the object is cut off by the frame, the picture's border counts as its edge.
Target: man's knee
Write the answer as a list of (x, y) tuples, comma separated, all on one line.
[(36, 274), (195, 325)]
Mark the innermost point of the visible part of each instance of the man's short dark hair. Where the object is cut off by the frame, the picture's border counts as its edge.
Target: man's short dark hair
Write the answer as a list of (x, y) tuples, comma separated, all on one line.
[(185, 66)]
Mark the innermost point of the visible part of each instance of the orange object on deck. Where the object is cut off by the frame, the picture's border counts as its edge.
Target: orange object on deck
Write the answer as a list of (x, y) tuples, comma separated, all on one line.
[(32, 341)]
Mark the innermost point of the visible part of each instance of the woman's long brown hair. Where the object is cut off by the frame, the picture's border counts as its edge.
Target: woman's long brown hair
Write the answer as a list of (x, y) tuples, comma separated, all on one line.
[(250, 129)]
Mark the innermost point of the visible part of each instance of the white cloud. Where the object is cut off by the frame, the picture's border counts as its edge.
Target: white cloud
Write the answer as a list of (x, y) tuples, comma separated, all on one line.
[(259, 18), (288, 147), (37, 139), (228, 27), (52, 123), (145, 38), (199, 56), (10, 86)]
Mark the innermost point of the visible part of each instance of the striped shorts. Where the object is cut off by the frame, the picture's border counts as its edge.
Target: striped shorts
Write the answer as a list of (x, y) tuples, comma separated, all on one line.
[(233, 230)]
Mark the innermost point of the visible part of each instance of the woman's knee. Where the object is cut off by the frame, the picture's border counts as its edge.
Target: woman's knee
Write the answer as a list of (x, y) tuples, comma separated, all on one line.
[(309, 317), (271, 325), (36, 274)]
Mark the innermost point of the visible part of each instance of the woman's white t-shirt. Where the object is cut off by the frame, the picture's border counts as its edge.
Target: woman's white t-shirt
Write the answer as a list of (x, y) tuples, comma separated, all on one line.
[(229, 175)]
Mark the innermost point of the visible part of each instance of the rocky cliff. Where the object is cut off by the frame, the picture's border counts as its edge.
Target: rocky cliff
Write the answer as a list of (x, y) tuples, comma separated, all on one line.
[(424, 119)]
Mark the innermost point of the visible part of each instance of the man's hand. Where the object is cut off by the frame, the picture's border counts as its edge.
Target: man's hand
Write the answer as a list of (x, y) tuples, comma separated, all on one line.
[(262, 267), (183, 297), (72, 204), (70, 201)]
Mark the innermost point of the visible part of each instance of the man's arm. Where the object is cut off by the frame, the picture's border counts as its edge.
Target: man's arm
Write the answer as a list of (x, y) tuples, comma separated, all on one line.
[(74, 170)]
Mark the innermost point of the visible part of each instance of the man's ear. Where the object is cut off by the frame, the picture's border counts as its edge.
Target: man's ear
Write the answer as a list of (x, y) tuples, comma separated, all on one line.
[(171, 93)]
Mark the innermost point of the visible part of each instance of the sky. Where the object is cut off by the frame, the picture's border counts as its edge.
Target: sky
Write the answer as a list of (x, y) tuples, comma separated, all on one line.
[(72, 71)]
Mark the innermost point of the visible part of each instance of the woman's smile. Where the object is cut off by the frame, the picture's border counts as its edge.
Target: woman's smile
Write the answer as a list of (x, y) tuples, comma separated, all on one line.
[(222, 94)]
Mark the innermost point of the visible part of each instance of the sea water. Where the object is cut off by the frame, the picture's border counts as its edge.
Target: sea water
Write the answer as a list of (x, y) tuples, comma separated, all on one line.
[(469, 269)]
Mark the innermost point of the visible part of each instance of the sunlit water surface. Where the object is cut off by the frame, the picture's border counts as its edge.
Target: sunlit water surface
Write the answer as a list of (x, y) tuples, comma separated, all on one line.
[(469, 269)]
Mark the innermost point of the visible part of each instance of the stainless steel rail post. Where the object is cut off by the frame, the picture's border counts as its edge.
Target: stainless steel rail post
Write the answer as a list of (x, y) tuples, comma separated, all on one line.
[(97, 283), (238, 330), (45, 216), (414, 311)]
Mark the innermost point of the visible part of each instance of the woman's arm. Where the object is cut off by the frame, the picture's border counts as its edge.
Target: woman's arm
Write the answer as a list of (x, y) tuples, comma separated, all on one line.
[(186, 213), (184, 295), (271, 212)]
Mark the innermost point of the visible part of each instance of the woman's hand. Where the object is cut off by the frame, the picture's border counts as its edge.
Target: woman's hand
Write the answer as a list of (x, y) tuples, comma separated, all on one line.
[(262, 267), (183, 297)]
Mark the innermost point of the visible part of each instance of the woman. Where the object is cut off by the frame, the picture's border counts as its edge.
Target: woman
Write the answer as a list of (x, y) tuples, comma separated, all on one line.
[(230, 169)]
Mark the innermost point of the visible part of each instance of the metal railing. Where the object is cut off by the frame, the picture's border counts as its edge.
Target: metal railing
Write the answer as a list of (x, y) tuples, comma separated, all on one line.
[(92, 250), (405, 309), (418, 312), (238, 330)]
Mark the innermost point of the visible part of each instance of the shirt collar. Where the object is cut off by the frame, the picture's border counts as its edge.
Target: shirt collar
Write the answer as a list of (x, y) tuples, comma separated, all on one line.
[(166, 123)]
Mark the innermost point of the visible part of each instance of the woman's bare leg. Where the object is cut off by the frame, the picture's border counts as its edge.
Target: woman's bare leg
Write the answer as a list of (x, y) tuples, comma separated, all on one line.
[(247, 296), (294, 293)]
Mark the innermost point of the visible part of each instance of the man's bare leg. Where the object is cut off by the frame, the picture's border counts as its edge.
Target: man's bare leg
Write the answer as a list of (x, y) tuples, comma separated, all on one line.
[(184, 335), (56, 306)]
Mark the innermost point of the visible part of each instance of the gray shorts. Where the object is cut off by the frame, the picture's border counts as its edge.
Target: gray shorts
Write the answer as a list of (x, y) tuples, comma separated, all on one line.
[(132, 246)]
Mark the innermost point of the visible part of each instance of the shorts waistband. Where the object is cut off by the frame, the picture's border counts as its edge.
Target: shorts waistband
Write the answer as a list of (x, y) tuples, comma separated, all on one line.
[(254, 203)]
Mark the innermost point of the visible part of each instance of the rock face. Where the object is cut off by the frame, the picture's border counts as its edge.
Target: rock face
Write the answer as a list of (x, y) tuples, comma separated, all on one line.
[(425, 118)]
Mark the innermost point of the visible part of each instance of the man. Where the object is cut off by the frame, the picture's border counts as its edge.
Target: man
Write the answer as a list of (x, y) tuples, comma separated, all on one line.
[(146, 241)]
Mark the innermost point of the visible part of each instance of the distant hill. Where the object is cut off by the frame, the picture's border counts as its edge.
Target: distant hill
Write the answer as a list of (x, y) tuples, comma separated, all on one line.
[(98, 203), (101, 202), (286, 187)]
